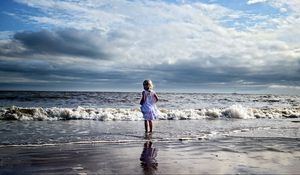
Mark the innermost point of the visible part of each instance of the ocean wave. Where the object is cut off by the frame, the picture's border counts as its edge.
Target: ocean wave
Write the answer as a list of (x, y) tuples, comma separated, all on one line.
[(124, 114)]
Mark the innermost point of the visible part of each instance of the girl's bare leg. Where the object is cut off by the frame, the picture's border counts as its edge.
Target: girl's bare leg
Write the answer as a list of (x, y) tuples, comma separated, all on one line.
[(150, 125), (146, 125)]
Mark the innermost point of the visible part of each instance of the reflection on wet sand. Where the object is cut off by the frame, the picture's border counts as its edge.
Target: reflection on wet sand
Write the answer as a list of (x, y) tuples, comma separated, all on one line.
[(148, 157)]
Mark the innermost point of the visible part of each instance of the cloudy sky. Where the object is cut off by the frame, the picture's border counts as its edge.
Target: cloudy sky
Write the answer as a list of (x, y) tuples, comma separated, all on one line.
[(243, 46)]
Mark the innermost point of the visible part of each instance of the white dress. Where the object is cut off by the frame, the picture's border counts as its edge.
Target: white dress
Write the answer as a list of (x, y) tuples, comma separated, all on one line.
[(148, 108)]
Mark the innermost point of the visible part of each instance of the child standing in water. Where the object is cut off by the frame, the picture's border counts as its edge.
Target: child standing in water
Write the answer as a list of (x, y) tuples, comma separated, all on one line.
[(148, 108)]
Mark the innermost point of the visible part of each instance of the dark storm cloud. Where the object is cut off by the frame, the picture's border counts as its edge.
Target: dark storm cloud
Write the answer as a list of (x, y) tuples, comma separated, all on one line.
[(183, 74), (194, 72), (54, 45), (41, 70), (70, 42)]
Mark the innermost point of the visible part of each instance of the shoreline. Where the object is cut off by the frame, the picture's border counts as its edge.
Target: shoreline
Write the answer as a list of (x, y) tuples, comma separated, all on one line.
[(219, 156), (175, 147)]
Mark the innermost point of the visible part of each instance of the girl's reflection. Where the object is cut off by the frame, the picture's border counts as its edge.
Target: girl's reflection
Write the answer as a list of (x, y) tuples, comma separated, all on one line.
[(148, 158)]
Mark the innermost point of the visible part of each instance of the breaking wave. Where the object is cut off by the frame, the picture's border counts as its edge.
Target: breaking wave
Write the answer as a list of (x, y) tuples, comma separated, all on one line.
[(124, 114)]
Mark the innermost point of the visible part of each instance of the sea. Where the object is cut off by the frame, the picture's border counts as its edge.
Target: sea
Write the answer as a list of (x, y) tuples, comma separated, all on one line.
[(37, 117), (62, 130)]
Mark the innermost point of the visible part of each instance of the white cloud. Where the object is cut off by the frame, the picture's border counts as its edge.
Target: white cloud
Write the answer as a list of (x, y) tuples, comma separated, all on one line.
[(284, 87), (147, 34), (4, 35), (167, 32), (255, 1)]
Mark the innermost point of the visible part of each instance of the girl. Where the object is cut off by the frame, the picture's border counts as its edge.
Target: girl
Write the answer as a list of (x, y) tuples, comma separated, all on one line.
[(148, 108)]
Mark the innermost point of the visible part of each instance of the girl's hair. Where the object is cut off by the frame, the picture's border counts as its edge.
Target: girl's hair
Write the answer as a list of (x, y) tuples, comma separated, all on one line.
[(149, 83)]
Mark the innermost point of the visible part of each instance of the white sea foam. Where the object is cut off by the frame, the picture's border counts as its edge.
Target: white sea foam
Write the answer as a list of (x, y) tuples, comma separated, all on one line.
[(237, 111), (126, 114)]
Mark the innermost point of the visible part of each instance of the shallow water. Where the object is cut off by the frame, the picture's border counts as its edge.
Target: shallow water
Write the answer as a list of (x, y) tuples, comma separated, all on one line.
[(223, 156), (87, 131), (229, 146)]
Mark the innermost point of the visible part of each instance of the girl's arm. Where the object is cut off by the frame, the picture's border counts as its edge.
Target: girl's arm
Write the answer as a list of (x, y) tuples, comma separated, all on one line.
[(155, 97), (142, 99)]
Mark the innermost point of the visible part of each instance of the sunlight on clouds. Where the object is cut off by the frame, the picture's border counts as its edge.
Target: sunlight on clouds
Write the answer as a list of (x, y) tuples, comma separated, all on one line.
[(174, 31), (210, 39), (79, 15), (255, 1)]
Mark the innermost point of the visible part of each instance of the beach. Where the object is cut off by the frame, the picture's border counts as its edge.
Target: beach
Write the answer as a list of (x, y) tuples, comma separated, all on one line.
[(172, 158), (258, 150)]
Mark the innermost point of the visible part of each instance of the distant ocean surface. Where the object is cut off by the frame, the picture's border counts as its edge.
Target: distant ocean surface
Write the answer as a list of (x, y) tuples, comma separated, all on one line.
[(124, 106)]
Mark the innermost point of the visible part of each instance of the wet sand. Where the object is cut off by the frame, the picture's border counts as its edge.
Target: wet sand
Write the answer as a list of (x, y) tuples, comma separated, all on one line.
[(230, 155)]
